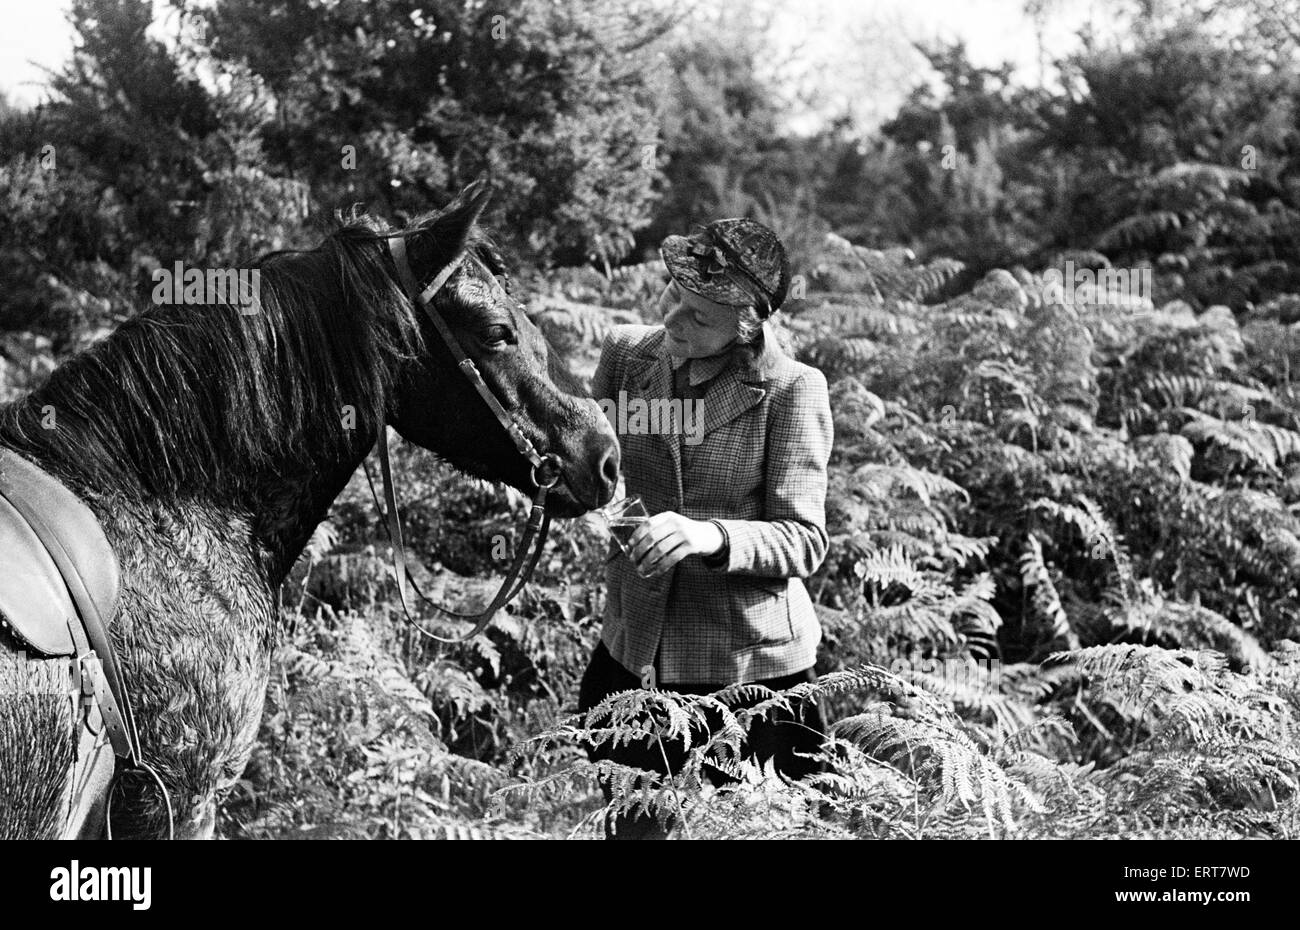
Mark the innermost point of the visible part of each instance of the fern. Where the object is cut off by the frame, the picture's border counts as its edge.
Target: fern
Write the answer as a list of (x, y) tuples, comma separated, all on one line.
[(871, 320), (1046, 603), (883, 274), (1139, 229), (1260, 444), (948, 767)]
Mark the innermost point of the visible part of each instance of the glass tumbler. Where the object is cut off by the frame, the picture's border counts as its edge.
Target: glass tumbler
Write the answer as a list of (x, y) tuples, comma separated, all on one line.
[(623, 517)]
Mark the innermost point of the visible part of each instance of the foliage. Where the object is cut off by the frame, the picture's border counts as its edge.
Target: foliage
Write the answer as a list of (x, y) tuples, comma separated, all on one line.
[(550, 98)]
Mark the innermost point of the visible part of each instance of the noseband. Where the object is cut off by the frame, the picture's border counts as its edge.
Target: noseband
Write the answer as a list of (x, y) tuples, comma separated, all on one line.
[(545, 468)]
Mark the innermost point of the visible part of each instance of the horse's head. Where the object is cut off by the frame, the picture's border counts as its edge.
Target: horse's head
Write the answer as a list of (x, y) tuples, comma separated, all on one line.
[(436, 406)]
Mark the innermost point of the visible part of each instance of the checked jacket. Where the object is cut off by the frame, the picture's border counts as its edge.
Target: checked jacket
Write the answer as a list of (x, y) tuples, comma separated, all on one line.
[(760, 471)]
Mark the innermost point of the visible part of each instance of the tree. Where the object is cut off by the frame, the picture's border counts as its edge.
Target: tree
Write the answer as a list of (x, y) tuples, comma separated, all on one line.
[(1182, 154), (960, 142), (719, 124), (398, 103)]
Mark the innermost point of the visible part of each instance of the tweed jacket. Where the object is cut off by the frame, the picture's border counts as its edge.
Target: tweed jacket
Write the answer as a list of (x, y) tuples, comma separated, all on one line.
[(759, 469)]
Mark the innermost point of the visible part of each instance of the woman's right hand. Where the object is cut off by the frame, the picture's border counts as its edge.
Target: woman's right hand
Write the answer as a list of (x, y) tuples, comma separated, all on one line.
[(667, 538)]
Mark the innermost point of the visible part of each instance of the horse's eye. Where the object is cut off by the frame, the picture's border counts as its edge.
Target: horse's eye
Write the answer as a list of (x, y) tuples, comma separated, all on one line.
[(498, 335)]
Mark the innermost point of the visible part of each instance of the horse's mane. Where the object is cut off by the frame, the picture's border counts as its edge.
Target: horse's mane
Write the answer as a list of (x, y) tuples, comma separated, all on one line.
[(181, 399)]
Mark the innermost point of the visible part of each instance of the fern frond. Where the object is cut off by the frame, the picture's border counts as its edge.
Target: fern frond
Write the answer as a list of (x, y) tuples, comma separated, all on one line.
[(951, 767), (1044, 599), (1139, 229), (885, 567)]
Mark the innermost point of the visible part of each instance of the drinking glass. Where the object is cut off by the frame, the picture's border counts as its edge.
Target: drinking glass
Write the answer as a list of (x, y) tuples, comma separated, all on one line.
[(623, 517)]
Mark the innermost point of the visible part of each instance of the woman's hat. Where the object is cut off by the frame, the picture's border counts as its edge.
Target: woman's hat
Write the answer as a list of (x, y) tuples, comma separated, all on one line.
[(736, 262)]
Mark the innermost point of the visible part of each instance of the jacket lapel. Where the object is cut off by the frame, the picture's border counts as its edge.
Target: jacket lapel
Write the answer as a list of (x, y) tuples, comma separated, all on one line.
[(653, 378), (729, 396), (740, 386)]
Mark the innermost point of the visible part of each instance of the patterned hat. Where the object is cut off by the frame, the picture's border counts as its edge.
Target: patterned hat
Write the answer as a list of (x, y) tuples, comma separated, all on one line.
[(735, 262)]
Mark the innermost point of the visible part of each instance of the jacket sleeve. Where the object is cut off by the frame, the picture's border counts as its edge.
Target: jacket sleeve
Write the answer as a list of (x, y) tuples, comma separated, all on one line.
[(792, 540)]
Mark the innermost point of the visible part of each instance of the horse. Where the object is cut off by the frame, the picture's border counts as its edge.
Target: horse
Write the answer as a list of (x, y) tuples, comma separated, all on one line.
[(209, 443)]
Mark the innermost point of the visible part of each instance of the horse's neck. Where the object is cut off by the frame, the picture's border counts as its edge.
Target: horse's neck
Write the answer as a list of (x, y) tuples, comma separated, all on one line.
[(120, 434), (283, 505), (292, 506)]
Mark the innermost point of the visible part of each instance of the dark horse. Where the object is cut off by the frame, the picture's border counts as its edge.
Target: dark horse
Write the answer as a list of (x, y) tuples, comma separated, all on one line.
[(210, 443)]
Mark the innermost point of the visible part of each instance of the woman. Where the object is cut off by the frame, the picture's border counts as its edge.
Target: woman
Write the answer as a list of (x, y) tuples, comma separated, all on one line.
[(712, 594)]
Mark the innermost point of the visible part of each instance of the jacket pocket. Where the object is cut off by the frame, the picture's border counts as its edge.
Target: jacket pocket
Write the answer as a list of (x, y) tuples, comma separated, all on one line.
[(760, 611)]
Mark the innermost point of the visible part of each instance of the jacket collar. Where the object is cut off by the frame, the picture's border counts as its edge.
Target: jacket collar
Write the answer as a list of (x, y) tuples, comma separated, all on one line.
[(750, 367), (702, 370)]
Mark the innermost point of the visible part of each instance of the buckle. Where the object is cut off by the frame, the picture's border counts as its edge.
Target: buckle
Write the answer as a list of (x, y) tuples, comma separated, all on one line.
[(549, 467), (91, 674)]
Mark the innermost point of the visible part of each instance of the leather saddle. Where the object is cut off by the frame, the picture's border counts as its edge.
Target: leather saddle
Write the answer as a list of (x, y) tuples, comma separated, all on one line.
[(58, 594), (56, 565), (58, 591)]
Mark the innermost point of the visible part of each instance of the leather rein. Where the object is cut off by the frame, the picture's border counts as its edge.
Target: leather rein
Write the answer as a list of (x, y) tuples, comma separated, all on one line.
[(545, 468)]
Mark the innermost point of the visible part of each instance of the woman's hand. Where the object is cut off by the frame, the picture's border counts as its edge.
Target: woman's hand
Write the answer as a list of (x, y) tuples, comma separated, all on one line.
[(667, 538)]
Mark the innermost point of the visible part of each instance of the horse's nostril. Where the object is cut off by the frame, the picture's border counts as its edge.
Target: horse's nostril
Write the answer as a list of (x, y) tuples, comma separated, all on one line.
[(609, 469)]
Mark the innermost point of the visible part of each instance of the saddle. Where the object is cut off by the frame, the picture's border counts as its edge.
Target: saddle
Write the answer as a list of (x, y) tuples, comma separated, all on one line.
[(55, 554), (58, 595)]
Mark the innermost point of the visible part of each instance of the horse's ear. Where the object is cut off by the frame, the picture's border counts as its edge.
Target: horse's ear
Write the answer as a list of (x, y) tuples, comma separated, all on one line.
[(468, 205), (476, 195), (445, 236)]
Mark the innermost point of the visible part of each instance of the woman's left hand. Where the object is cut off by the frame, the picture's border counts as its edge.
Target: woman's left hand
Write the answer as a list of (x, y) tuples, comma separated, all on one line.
[(667, 538)]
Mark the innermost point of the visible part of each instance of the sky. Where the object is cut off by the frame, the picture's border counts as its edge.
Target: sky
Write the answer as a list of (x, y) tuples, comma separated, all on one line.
[(858, 53), (853, 54), (35, 30)]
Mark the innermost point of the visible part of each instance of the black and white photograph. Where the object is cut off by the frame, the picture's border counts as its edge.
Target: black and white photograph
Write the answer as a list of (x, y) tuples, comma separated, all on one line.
[(651, 420)]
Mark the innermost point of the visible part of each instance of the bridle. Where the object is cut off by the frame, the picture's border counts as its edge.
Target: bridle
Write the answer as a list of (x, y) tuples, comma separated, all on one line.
[(545, 468)]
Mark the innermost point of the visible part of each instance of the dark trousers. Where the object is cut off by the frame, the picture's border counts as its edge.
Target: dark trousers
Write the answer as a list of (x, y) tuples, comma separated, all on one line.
[(777, 737)]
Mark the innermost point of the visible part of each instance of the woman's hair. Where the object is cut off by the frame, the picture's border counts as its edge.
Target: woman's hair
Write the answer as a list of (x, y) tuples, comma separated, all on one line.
[(750, 332), (749, 326)]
